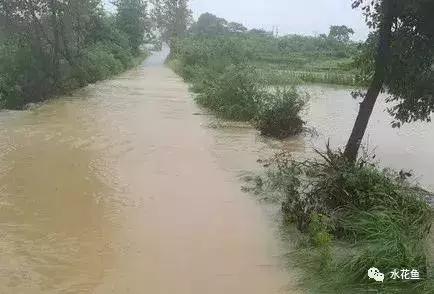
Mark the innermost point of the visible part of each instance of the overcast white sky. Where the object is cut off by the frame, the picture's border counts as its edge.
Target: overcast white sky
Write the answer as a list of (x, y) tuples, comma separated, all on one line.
[(291, 16), (307, 17)]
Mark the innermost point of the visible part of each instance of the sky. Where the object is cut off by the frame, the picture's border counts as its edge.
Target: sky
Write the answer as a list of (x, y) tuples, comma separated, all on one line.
[(307, 17)]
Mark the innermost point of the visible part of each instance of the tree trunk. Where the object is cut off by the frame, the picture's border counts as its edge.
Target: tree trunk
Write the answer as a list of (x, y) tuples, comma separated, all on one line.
[(40, 32), (56, 43), (381, 63), (66, 52), (7, 20)]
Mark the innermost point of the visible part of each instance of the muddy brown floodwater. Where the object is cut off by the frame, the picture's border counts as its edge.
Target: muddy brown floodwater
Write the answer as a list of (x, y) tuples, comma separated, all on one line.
[(119, 189), (123, 188)]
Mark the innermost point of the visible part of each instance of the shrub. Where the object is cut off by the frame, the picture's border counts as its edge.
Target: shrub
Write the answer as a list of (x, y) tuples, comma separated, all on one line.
[(377, 218), (234, 94), (334, 187), (214, 54), (122, 54), (25, 74), (101, 61), (279, 113), (31, 72)]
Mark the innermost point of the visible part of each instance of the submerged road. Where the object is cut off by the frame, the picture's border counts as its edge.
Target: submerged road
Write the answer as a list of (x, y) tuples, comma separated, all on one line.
[(118, 189)]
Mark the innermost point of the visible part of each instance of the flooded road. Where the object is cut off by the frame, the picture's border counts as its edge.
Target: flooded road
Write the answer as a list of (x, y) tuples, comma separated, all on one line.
[(123, 188), (120, 188)]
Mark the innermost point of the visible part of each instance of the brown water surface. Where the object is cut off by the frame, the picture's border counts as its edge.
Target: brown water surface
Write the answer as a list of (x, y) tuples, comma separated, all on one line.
[(332, 113), (119, 188)]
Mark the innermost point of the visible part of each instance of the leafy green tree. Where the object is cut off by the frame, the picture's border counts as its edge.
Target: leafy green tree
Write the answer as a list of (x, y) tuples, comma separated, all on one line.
[(341, 33), (49, 46), (131, 18), (172, 18), (235, 27), (209, 25), (403, 63)]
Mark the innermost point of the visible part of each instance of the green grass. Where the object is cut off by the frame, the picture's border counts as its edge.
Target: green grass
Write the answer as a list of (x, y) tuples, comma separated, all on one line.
[(278, 113), (351, 218), (299, 59), (287, 77), (233, 94), (306, 68), (238, 93)]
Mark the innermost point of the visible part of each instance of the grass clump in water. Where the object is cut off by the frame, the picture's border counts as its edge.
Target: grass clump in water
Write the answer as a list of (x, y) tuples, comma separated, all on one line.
[(234, 94), (354, 217), (278, 113), (237, 95), (232, 88)]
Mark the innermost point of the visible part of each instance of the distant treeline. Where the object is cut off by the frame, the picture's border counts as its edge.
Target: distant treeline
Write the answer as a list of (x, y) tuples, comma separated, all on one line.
[(48, 47), (219, 60), (336, 44), (326, 58), (212, 43)]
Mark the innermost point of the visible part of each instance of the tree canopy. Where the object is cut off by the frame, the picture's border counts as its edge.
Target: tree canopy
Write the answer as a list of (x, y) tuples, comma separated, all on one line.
[(398, 58), (210, 25), (132, 19), (340, 33), (49, 46), (409, 77), (172, 18)]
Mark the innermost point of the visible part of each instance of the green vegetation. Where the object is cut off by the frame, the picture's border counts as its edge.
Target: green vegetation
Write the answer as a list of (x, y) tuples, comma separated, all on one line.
[(278, 113), (354, 217), (351, 214), (233, 70), (48, 47), (171, 18), (227, 83), (398, 58), (321, 59), (233, 94), (132, 21), (325, 59)]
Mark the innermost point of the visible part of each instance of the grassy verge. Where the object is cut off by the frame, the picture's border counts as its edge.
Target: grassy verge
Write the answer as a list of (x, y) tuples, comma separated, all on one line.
[(304, 68), (232, 88), (26, 77), (285, 77), (351, 218), (98, 67)]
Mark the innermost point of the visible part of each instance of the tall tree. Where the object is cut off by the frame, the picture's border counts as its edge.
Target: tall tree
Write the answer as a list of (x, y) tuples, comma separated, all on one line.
[(235, 27), (54, 19), (131, 19), (341, 33), (209, 25), (42, 44), (57, 27), (172, 18), (403, 64)]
